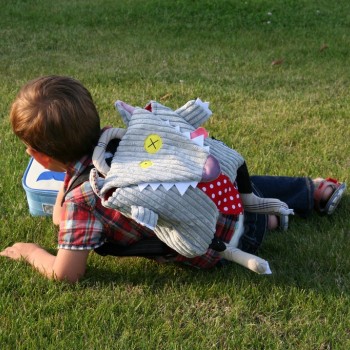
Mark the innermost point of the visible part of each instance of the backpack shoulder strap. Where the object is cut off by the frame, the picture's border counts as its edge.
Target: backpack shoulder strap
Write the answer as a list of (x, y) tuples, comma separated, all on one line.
[(79, 180), (84, 176)]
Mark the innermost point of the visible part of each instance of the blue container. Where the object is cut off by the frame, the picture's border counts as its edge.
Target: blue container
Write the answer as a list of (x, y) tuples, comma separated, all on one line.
[(41, 186)]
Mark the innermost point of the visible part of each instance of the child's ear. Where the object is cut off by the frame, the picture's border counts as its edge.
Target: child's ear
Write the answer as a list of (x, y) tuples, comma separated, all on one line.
[(41, 158)]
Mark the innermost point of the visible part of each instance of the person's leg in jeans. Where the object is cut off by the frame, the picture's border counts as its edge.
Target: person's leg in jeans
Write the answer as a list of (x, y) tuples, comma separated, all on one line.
[(296, 192), (299, 193)]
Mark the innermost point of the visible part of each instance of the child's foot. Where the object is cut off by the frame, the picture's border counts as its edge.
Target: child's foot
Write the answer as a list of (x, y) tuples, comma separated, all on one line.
[(328, 194)]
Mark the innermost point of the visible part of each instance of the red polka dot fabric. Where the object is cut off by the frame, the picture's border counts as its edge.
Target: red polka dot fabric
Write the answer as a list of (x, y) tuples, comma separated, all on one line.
[(224, 194)]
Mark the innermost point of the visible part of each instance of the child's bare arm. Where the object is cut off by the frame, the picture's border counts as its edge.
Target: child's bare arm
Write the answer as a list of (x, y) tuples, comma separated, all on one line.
[(56, 215), (68, 265)]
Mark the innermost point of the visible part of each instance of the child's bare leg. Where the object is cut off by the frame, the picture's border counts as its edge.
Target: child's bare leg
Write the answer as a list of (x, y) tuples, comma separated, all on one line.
[(272, 222), (327, 192)]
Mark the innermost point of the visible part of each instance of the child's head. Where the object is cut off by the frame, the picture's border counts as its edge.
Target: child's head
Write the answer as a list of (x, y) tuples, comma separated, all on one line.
[(56, 115)]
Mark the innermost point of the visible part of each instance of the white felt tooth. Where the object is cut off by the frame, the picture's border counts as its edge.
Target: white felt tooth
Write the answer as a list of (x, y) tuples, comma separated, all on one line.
[(206, 148), (167, 122), (187, 134), (142, 186), (194, 184), (155, 185), (167, 185), (182, 187), (177, 128), (199, 140)]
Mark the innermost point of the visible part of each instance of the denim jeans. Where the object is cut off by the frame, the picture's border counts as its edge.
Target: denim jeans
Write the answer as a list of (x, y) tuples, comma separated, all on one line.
[(296, 192)]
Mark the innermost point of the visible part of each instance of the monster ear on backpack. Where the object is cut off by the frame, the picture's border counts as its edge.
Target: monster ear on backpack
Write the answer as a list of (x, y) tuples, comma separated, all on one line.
[(41, 187)]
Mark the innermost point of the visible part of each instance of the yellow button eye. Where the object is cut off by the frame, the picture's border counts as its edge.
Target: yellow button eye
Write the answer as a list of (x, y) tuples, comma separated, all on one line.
[(153, 143), (145, 164)]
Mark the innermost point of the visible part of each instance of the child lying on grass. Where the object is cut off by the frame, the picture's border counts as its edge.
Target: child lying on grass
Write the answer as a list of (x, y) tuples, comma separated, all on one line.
[(58, 122)]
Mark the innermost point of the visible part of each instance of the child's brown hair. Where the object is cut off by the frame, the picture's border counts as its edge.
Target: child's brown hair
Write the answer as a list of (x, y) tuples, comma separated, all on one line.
[(56, 115)]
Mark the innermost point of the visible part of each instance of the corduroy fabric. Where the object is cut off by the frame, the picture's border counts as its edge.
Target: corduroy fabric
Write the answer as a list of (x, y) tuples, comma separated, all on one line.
[(187, 222), (180, 220), (178, 160)]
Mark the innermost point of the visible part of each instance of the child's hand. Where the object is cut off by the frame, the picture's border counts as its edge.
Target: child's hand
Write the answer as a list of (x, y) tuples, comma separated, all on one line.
[(19, 251), (68, 265)]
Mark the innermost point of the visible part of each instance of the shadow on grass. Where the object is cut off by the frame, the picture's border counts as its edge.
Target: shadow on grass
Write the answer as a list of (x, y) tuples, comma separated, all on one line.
[(307, 274), (312, 255)]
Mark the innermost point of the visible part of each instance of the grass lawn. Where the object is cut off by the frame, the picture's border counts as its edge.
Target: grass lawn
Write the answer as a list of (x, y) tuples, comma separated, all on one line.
[(277, 76)]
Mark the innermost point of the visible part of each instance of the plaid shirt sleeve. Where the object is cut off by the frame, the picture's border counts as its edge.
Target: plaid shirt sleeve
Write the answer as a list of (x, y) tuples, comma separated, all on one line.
[(79, 228)]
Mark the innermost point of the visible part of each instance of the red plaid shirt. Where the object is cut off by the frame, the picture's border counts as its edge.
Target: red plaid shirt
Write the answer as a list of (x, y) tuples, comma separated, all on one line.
[(86, 224)]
